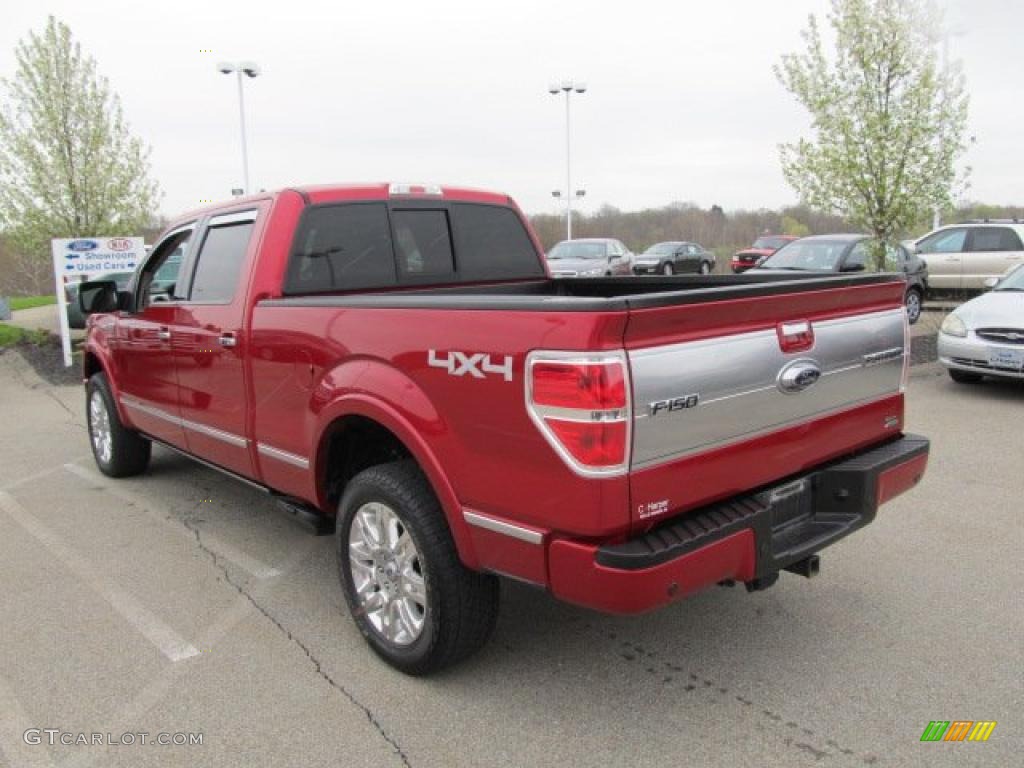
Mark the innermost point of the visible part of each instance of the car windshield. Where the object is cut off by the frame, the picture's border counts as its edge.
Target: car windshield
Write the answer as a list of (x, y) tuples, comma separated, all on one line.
[(812, 255), (769, 243), (1012, 282), (577, 250), (661, 249)]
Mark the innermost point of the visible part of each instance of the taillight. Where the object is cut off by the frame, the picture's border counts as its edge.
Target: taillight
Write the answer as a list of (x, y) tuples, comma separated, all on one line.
[(580, 402)]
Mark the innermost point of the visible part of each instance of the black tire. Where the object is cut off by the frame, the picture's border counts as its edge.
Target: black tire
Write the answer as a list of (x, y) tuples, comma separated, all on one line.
[(461, 606), (667, 269), (128, 451), (964, 377), (913, 301), (705, 268)]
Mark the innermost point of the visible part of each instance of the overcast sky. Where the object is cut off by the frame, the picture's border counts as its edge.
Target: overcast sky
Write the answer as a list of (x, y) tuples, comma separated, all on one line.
[(681, 103)]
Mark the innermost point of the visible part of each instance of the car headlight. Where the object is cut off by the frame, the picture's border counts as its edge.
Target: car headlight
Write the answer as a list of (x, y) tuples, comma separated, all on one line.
[(953, 326)]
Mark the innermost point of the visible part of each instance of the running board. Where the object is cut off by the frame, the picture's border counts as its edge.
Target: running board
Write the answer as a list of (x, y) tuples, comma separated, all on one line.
[(310, 518)]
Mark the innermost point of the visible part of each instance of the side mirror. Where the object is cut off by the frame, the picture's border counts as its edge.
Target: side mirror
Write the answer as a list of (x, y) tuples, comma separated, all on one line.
[(990, 283), (853, 268), (95, 296)]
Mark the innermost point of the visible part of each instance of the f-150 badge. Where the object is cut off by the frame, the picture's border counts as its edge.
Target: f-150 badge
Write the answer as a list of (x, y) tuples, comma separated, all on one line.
[(475, 364)]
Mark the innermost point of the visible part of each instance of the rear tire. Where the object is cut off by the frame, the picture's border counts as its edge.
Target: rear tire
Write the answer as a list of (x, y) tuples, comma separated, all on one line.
[(705, 268), (419, 608), (667, 270), (913, 304), (118, 450), (964, 377)]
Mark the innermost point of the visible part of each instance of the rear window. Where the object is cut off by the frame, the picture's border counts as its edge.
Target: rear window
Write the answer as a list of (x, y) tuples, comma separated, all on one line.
[(994, 239), (492, 243), (359, 246), (342, 248)]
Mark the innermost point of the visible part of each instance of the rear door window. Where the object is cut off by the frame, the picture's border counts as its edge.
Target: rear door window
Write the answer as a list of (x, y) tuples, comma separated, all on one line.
[(994, 239), (491, 242), (342, 248), (220, 261)]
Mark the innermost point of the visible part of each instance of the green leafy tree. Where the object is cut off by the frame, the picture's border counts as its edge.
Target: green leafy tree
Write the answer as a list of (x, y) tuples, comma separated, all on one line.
[(888, 122), (792, 226), (68, 165)]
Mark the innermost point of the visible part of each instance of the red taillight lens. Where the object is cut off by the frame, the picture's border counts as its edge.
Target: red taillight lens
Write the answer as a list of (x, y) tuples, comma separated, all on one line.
[(581, 406), (566, 385), (594, 444)]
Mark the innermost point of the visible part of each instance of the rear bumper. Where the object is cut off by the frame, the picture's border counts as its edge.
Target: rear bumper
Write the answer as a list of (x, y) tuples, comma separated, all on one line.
[(744, 539), (741, 266)]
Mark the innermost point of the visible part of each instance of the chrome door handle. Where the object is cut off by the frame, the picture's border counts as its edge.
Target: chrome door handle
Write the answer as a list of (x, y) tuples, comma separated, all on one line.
[(227, 340), (164, 334)]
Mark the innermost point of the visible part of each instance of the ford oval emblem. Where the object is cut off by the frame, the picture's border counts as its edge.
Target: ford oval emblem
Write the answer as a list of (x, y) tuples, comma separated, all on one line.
[(83, 245), (798, 376)]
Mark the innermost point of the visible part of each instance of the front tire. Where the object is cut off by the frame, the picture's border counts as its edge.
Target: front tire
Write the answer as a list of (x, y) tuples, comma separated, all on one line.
[(913, 303), (705, 268), (964, 377), (667, 270), (118, 450), (419, 608)]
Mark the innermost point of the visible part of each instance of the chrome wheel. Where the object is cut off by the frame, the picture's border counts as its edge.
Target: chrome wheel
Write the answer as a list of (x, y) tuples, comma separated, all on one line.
[(387, 574), (99, 428), (913, 303), (667, 270), (705, 268)]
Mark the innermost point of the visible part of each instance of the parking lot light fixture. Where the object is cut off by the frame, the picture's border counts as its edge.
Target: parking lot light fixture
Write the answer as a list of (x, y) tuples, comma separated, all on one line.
[(568, 87), (251, 70)]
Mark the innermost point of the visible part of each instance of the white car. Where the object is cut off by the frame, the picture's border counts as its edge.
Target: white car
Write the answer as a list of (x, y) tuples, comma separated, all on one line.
[(961, 257), (985, 336)]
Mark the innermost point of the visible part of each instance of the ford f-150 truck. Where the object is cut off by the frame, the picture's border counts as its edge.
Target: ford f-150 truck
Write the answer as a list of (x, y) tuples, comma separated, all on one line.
[(397, 361)]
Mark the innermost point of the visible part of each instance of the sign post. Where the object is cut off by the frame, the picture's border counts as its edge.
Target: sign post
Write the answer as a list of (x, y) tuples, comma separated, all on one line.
[(84, 258)]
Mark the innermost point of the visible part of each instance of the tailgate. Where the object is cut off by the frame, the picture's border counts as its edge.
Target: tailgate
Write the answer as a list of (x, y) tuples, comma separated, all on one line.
[(734, 394)]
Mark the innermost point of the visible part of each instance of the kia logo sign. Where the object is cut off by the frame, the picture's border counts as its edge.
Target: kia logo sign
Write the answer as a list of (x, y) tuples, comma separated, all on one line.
[(798, 376), (82, 245), (119, 244)]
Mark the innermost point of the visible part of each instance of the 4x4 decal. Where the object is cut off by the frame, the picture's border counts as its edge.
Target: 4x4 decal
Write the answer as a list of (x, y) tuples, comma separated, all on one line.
[(476, 364)]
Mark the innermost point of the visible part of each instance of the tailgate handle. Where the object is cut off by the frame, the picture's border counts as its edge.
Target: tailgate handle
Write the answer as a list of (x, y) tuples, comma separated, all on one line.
[(164, 334), (227, 340)]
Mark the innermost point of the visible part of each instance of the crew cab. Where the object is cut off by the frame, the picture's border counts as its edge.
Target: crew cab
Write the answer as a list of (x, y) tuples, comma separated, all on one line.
[(395, 362)]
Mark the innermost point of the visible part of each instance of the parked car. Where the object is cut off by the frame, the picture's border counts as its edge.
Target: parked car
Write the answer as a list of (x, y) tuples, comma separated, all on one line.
[(961, 257), (590, 257), (622, 444), (851, 253), (985, 336), (75, 317), (674, 257), (764, 246)]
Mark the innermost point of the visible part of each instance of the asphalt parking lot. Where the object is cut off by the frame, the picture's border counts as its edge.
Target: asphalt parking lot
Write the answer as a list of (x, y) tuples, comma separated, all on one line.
[(184, 603)]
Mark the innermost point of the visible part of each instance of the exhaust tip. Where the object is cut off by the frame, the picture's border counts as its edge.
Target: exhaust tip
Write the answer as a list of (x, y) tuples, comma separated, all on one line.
[(809, 567)]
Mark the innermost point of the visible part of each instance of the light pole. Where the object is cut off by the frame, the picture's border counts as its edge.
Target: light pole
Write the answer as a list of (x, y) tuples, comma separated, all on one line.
[(568, 87), (249, 69)]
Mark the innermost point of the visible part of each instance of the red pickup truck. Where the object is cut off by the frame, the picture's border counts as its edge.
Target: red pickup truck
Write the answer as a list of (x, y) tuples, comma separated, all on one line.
[(397, 359)]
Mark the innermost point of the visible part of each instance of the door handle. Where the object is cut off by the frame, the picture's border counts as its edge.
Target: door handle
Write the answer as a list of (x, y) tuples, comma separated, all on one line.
[(227, 340), (164, 334)]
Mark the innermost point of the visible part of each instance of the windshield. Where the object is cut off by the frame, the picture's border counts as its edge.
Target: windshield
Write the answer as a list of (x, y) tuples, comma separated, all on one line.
[(811, 255), (660, 249), (1013, 281), (769, 243), (575, 249)]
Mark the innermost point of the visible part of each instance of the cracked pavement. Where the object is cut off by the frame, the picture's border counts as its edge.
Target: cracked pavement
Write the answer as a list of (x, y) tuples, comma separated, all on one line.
[(915, 618)]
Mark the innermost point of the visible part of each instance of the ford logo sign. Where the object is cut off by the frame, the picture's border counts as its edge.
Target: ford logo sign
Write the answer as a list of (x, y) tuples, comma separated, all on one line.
[(798, 376), (82, 245)]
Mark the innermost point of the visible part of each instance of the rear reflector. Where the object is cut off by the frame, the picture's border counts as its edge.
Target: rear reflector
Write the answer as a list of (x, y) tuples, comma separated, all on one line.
[(580, 404)]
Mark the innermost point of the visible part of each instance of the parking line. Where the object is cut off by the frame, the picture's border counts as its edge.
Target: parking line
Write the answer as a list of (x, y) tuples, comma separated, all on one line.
[(39, 475), (152, 628), (221, 548), (13, 725)]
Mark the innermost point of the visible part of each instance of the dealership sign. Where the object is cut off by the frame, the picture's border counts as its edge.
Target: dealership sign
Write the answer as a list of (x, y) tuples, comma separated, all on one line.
[(86, 258)]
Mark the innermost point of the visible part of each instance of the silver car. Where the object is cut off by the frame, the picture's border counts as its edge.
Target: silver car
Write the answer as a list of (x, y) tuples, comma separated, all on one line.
[(985, 336), (961, 257)]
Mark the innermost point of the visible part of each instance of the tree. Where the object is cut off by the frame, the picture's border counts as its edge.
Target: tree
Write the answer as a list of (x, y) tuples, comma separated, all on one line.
[(68, 165), (888, 123), (792, 226)]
